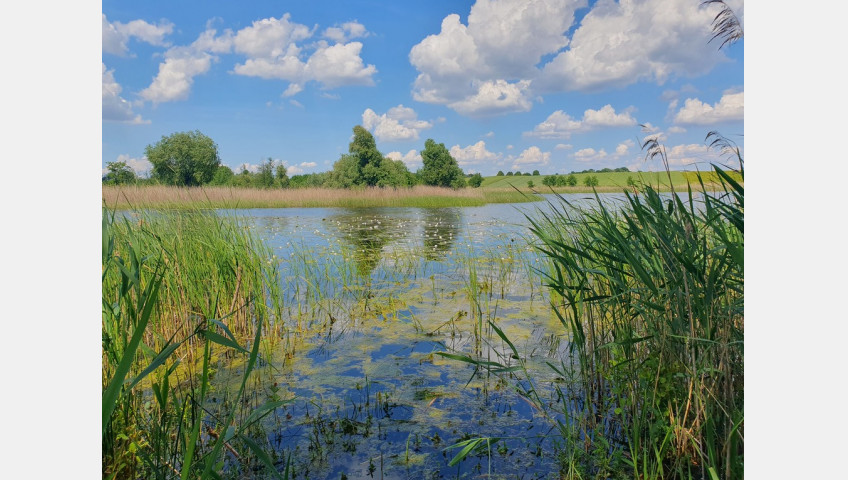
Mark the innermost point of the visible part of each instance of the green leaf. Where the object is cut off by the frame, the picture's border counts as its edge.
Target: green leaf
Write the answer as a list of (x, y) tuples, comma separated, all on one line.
[(221, 340)]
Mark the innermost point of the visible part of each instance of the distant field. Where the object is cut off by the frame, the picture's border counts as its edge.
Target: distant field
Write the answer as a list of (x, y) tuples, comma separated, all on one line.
[(605, 180)]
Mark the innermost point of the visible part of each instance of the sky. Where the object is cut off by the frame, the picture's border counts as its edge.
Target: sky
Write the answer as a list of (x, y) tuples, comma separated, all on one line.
[(520, 85)]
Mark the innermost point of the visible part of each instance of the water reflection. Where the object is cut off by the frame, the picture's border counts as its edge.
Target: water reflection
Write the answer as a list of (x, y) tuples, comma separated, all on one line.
[(441, 229), (367, 234)]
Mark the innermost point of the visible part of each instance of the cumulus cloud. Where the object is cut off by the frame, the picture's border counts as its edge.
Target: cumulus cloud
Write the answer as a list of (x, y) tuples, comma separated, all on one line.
[(532, 156), (116, 35), (176, 74), (412, 159), (484, 68), (560, 125), (620, 43), (398, 124), (526, 42), (473, 154), (115, 107), (494, 98), (729, 108), (346, 32), (274, 51), (299, 168), (590, 155)]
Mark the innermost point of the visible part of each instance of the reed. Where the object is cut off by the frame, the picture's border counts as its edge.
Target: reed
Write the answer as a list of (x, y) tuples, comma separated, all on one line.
[(173, 285), (651, 292), (187, 198)]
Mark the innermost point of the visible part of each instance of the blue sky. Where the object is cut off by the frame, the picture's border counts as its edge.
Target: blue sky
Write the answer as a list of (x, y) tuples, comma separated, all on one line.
[(505, 85)]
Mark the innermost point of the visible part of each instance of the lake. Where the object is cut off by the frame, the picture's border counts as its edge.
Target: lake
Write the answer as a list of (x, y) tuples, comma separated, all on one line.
[(371, 296)]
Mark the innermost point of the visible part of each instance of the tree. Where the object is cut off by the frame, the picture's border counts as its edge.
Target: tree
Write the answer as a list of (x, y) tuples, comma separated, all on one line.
[(509, 174), (364, 165), (264, 178), (280, 174), (119, 173), (476, 180), (500, 173), (550, 180), (223, 176), (530, 184), (535, 173), (518, 172), (184, 158), (590, 181), (440, 169), (571, 180)]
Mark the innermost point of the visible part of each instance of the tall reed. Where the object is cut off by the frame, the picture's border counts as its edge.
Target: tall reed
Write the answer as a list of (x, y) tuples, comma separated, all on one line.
[(174, 285), (651, 292)]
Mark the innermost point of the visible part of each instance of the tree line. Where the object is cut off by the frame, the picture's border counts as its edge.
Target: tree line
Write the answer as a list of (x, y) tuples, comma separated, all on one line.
[(192, 159)]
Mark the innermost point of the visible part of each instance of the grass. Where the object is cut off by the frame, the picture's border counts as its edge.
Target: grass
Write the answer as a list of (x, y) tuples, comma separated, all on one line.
[(607, 182), (167, 197), (175, 285)]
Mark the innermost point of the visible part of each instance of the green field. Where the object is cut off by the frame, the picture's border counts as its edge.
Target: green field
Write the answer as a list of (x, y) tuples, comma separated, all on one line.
[(606, 179)]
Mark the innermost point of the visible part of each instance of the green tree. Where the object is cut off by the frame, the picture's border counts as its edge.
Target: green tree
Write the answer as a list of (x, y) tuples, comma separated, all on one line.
[(508, 174), (535, 173), (571, 180), (590, 181), (530, 184), (223, 176), (518, 172), (364, 165), (264, 178), (440, 168), (500, 173), (119, 174), (550, 180), (184, 158), (281, 177), (476, 180)]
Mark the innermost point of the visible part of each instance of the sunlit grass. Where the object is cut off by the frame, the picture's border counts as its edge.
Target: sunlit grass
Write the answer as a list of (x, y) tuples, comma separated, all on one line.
[(169, 197)]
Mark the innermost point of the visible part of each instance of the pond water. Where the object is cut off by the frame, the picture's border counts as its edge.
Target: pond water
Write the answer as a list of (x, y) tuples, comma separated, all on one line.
[(371, 296)]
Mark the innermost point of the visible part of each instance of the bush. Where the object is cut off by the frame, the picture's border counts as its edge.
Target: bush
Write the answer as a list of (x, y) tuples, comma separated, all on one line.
[(476, 180), (591, 181)]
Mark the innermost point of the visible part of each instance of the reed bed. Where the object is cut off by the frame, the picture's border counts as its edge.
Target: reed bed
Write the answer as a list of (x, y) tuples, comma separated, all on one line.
[(651, 293), (180, 291), (169, 197)]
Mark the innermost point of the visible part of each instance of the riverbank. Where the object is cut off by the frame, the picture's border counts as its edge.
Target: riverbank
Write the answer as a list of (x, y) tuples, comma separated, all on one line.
[(167, 197)]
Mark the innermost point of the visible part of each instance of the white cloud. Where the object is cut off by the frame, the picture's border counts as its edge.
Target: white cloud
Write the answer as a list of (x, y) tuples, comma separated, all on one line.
[(115, 35), (620, 43), (617, 43), (489, 135), (731, 107), (183, 63), (590, 155), (463, 65), (141, 166), (560, 125), (532, 156), (624, 147), (338, 65), (676, 129), (494, 98), (412, 159), (346, 32), (299, 168), (563, 146), (272, 48), (473, 154), (296, 103), (115, 107), (176, 75), (398, 124)]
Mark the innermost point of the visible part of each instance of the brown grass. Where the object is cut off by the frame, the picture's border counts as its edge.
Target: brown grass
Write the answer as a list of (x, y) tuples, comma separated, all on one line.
[(169, 197)]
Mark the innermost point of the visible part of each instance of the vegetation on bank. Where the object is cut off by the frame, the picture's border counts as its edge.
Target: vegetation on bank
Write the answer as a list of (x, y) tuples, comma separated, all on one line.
[(124, 197), (180, 291)]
